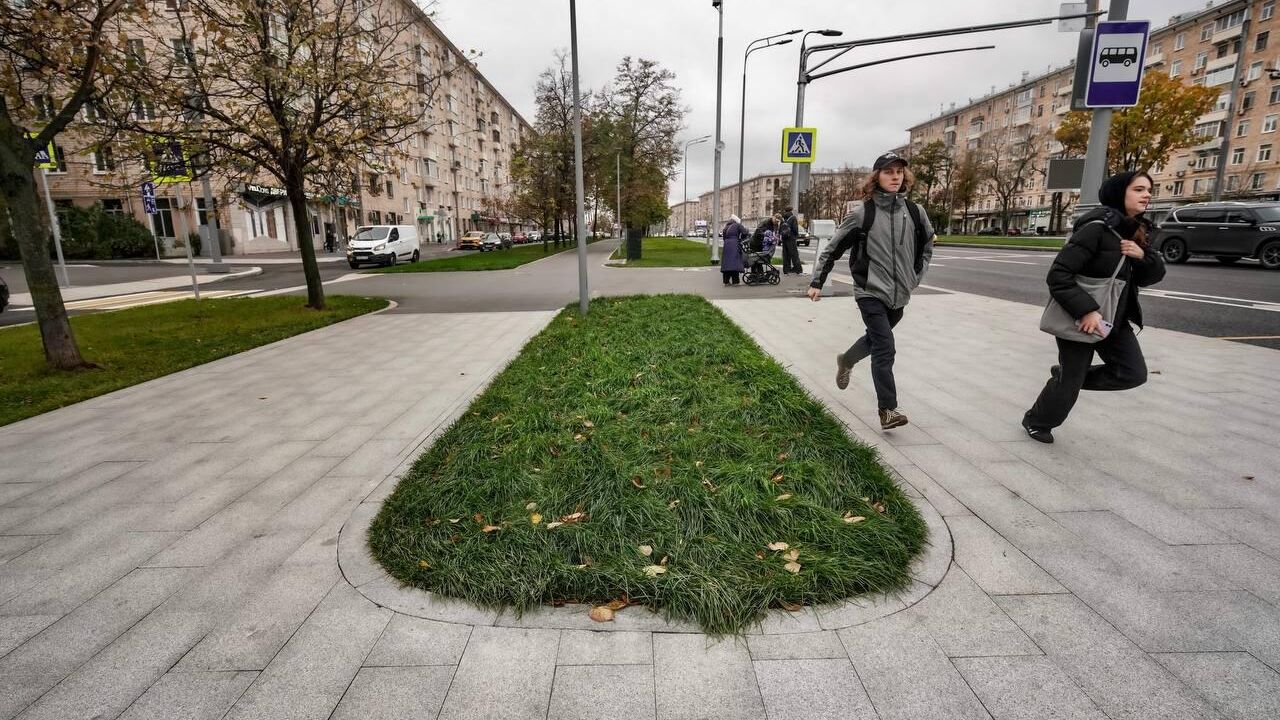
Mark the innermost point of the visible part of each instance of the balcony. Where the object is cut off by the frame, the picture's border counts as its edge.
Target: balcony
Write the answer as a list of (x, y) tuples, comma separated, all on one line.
[(1062, 110), (1064, 90), (1215, 116), (1229, 34), (1221, 62), (1156, 59), (1210, 144)]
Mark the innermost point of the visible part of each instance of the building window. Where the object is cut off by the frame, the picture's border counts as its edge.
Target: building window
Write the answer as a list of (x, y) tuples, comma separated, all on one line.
[(1260, 43), (112, 206), (1226, 22), (1177, 187), (1255, 71), (1206, 162), (1269, 123), (1275, 95), (1237, 156), (136, 52), (162, 221), (44, 107), (1264, 153), (1206, 32), (1202, 59), (1242, 129), (60, 157), (104, 160), (1221, 76), (1175, 68), (1157, 49), (1247, 102), (390, 189), (1179, 41), (1233, 182), (1268, 9), (1208, 129), (1257, 180), (144, 109)]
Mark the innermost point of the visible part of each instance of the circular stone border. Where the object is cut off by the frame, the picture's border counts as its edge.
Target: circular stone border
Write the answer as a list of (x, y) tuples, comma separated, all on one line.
[(363, 573)]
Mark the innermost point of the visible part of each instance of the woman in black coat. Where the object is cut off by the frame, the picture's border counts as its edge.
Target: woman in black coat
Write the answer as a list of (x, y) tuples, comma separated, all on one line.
[(1099, 240)]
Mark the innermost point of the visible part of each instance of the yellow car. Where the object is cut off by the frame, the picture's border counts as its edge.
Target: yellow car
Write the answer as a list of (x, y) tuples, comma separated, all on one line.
[(471, 241)]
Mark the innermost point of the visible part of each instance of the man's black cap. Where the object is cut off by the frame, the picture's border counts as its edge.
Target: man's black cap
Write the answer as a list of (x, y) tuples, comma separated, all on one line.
[(887, 159)]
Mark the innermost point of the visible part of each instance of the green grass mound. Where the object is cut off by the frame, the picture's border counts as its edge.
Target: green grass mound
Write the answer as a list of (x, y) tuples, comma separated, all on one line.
[(650, 452), (141, 343)]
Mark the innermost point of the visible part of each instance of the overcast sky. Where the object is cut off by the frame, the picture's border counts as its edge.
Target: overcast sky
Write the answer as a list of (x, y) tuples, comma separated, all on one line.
[(858, 114)]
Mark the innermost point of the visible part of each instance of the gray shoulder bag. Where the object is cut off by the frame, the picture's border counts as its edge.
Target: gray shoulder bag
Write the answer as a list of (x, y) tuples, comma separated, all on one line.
[(1106, 291)]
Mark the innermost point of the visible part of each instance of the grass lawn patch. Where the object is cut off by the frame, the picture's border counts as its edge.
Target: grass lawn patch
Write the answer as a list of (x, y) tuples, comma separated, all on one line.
[(669, 252), (649, 454), (493, 260), (1016, 241), (142, 343)]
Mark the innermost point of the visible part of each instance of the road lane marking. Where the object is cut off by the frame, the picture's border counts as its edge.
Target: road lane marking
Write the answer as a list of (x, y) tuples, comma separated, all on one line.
[(1251, 337), (1213, 299)]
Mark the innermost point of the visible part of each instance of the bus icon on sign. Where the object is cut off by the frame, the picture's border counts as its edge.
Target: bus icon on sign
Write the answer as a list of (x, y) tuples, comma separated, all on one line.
[(1118, 55)]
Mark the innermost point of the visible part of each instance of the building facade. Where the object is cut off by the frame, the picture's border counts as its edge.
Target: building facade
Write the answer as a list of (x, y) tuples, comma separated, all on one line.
[(452, 176), (758, 195), (1208, 47)]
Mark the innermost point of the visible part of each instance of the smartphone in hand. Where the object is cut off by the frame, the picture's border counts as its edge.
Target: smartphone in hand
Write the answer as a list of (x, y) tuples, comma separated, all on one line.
[(1104, 329)]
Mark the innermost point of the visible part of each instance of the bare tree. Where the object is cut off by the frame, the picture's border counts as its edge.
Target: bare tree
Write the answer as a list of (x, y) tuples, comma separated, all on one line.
[(1008, 161)]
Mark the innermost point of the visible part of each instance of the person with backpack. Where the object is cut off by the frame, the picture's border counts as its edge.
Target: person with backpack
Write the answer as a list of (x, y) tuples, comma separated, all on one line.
[(1111, 241), (890, 242), (790, 243)]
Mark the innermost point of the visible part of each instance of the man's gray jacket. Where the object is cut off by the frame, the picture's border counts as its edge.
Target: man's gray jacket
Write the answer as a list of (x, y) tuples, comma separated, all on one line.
[(888, 265)]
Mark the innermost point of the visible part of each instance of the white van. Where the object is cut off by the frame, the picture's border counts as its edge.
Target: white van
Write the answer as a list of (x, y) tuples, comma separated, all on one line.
[(383, 244)]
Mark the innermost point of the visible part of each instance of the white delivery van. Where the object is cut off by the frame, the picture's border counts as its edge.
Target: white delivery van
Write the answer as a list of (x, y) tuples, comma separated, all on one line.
[(383, 245)]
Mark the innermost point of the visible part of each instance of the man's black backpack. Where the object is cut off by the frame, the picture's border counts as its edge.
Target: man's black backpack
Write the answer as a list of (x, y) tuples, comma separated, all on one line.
[(922, 239)]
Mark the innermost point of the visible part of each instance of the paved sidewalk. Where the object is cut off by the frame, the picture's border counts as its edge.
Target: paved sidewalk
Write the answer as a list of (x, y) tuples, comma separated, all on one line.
[(22, 301), (172, 550)]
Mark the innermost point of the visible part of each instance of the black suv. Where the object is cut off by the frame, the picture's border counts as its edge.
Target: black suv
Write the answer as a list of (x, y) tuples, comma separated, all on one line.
[(1226, 230)]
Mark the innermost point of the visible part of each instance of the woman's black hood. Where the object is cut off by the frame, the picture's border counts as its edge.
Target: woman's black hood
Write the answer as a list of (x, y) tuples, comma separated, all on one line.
[(1111, 211)]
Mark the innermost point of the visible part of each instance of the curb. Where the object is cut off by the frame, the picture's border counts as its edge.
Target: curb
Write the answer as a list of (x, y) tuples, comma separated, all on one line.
[(995, 247)]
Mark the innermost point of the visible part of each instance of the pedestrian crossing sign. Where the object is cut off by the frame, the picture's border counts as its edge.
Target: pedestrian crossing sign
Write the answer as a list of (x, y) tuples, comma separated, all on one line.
[(799, 144), (46, 157), (170, 163)]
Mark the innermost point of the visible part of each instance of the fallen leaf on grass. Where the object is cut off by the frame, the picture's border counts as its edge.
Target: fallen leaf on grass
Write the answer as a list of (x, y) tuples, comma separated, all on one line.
[(654, 570), (792, 567), (699, 464), (588, 424), (853, 518), (424, 564), (478, 518), (552, 525), (638, 483), (777, 546), (490, 528), (601, 614), (708, 485), (616, 605), (454, 521), (646, 550), (663, 561), (783, 456), (533, 505), (535, 518), (790, 606), (777, 478), (783, 497), (573, 517), (579, 437), (672, 505), (793, 556), (879, 506)]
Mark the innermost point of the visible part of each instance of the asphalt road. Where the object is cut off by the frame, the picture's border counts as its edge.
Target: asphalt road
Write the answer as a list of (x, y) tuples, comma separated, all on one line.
[(1201, 297)]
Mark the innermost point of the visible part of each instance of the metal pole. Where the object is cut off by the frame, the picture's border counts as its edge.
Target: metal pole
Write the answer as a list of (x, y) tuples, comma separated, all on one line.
[(1225, 148), (801, 83), (1095, 163), (684, 231), (57, 230), (211, 222), (583, 295), (742, 130), (715, 200), (618, 181), (186, 241)]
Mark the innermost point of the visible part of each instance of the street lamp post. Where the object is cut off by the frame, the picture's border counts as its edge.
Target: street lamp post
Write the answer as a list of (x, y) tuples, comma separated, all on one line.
[(617, 176), (685, 230), (802, 81), (742, 121), (579, 192), (715, 199)]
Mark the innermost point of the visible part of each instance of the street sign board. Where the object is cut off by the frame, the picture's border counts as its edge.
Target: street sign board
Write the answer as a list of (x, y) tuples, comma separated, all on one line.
[(170, 163), (799, 144), (1115, 64), (46, 157), (1073, 25), (1064, 174), (149, 198)]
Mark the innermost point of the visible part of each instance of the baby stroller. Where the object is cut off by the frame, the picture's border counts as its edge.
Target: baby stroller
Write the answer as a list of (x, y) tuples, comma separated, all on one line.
[(757, 255)]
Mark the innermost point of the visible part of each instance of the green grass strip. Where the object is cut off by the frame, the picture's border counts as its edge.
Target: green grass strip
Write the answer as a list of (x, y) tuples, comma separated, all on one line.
[(666, 252), (1015, 241), (667, 428), (491, 260), (138, 344)]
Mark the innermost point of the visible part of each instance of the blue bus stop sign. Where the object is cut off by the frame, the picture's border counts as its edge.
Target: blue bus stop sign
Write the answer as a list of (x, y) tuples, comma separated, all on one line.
[(149, 198), (1115, 64)]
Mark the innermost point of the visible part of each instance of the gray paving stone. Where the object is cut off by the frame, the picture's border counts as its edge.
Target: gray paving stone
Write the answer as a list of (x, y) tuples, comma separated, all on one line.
[(697, 677), (784, 622), (585, 647), (190, 696), (413, 641), (964, 621), (1150, 560), (1124, 681), (1254, 571), (313, 670), (1248, 527), (374, 459), (796, 646), (859, 610), (1250, 623), (12, 546), (948, 468), (17, 629), (943, 501), (394, 693), (1238, 684), (994, 563), (1045, 493), (585, 692), (1026, 688), (812, 690), (906, 674), (524, 659)]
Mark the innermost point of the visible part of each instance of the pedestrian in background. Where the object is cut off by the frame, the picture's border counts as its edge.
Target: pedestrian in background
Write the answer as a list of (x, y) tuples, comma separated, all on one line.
[(771, 224), (790, 230), (890, 242), (731, 252), (1112, 239)]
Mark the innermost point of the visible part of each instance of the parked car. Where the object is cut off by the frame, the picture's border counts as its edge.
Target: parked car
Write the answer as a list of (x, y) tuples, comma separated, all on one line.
[(802, 238), (988, 231), (1013, 231), (507, 242), (519, 238), (535, 236), (471, 240), (1227, 231), (491, 241), (4, 295), (383, 245)]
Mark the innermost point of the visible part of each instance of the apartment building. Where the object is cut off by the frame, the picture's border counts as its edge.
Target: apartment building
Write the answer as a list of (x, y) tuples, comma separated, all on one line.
[(1207, 47), (757, 198), (453, 175)]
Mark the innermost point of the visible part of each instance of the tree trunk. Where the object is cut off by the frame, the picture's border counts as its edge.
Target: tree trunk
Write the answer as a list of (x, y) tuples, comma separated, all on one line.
[(634, 236), (29, 224), (294, 189)]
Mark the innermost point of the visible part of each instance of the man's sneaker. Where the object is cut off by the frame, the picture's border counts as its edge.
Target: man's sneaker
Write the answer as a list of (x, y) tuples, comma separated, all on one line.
[(842, 372), (1037, 434), (890, 419)]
